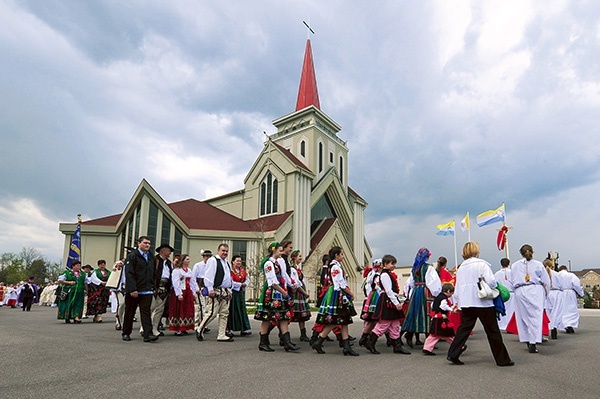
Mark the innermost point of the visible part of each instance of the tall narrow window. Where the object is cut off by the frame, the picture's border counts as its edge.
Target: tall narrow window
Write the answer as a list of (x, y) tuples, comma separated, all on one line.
[(320, 157), (303, 148), (342, 170), (268, 195), (153, 224)]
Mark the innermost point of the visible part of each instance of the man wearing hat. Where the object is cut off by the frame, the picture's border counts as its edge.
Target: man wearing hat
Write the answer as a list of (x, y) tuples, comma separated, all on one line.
[(28, 294), (162, 285), (198, 273)]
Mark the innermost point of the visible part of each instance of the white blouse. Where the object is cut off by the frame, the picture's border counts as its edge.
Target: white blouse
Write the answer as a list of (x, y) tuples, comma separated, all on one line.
[(467, 278), (337, 275), (178, 280)]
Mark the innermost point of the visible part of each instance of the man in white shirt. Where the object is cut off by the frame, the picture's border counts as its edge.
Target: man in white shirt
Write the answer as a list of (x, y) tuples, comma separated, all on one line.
[(218, 282), (198, 273)]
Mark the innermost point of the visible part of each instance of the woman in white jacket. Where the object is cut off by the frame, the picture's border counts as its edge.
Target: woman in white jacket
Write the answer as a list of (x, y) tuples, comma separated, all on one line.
[(474, 308)]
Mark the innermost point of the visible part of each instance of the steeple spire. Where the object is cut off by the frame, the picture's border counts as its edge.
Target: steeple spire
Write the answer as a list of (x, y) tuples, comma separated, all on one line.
[(307, 93)]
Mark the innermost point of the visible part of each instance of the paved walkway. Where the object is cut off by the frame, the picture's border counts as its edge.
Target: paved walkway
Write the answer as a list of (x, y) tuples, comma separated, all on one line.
[(45, 358)]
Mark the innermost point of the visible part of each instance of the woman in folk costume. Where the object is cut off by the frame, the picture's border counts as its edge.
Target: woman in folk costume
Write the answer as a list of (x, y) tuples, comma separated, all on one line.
[(530, 283), (372, 291), (301, 307), (389, 309), (337, 307), (181, 303), (97, 293), (275, 302), (424, 284), (238, 316), (72, 283)]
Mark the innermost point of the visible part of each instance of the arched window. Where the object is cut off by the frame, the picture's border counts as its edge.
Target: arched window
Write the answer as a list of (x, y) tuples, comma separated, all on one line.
[(268, 195), (303, 148)]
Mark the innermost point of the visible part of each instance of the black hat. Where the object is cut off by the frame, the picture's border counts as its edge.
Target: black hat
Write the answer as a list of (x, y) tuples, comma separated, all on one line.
[(88, 265), (165, 246)]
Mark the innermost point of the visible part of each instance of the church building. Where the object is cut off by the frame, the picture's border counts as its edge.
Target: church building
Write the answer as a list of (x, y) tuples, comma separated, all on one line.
[(296, 189)]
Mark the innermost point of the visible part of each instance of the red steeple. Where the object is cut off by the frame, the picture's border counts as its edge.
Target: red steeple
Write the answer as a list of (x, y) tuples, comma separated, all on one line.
[(308, 93)]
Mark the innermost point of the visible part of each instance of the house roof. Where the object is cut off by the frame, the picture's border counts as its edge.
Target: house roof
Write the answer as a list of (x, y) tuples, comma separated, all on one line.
[(308, 94), (583, 272), (355, 194)]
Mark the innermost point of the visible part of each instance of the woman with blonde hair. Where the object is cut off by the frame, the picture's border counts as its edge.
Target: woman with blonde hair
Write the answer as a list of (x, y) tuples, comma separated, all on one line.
[(468, 275)]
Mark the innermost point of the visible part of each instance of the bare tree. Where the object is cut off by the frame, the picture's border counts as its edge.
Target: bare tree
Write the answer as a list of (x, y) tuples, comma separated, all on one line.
[(253, 267), (29, 255)]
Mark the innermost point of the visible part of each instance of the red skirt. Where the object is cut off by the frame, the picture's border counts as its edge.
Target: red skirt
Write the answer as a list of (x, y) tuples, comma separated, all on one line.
[(181, 313), (511, 327)]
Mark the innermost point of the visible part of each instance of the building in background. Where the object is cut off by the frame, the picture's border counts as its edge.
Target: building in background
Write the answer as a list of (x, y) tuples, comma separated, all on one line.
[(296, 189)]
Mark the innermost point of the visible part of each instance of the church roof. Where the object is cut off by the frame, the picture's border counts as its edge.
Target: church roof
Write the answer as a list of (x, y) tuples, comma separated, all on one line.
[(292, 157), (105, 221), (307, 93), (201, 215)]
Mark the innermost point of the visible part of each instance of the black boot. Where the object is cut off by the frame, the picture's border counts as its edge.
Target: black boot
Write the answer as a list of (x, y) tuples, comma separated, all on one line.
[(318, 344), (371, 342), (348, 349), (340, 340), (287, 344), (398, 347), (388, 340), (363, 338), (554, 333), (303, 336), (264, 343), (313, 338), (418, 341)]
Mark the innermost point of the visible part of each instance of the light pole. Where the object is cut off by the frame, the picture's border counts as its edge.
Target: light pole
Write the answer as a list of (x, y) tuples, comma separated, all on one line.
[(569, 264)]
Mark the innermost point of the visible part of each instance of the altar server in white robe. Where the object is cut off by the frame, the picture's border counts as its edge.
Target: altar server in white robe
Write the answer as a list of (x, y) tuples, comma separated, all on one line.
[(571, 290), (530, 283), (503, 277), (554, 304)]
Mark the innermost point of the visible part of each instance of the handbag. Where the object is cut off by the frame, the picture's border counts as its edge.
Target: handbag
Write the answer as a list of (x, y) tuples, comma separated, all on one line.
[(63, 294), (485, 291)]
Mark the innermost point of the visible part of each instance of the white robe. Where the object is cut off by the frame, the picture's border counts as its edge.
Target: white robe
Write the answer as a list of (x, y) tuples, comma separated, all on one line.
[(555, 301), (530, 297), (503, 276), (571, 289)]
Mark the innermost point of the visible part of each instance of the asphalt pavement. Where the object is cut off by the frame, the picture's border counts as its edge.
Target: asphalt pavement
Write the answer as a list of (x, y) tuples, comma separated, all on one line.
[(46, 358)]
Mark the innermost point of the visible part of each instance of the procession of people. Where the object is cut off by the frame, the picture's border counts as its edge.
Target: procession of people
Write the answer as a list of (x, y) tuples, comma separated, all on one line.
[(434, 304)]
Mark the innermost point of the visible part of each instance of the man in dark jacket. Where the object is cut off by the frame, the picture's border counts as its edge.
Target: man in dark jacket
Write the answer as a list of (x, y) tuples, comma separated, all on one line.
[(139, 287)]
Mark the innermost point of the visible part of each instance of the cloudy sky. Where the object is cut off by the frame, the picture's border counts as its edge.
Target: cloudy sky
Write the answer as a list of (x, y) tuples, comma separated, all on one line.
[(447, 107)]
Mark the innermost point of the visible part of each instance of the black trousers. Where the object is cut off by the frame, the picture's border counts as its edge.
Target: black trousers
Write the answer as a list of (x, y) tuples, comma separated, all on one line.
[(27, 303), (487, 316), (131, 305)]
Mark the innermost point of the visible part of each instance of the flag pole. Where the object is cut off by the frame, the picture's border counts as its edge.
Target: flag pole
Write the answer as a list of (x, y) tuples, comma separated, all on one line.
[(469, 227), (455, 256), (506, 236)]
